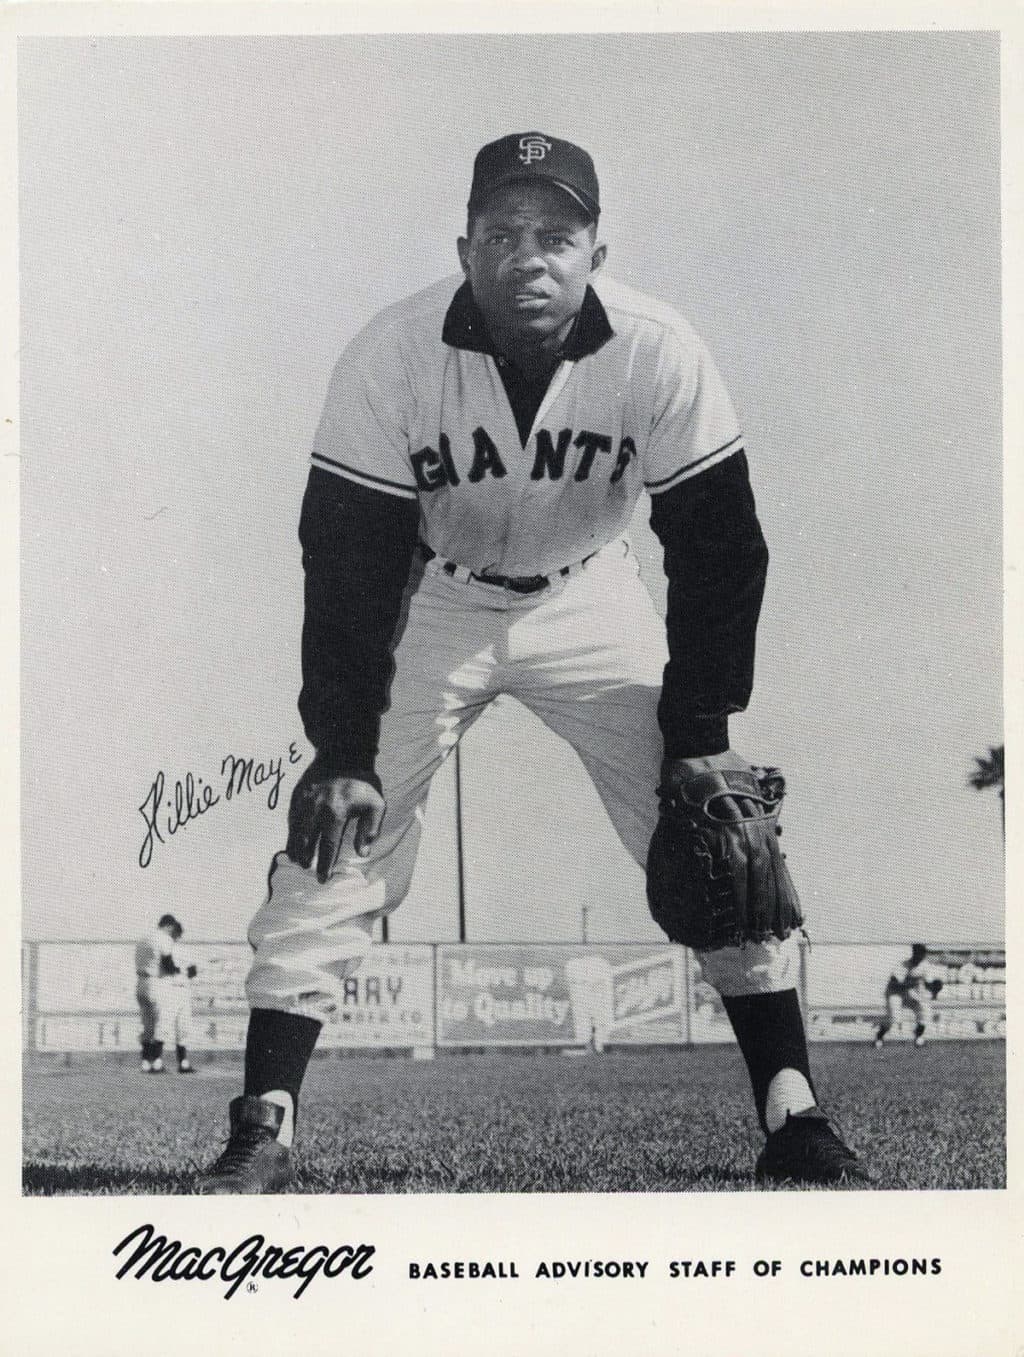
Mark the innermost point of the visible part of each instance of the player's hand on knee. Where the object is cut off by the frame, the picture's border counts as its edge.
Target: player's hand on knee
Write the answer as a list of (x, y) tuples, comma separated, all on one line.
[(322, 807), (343, 800)]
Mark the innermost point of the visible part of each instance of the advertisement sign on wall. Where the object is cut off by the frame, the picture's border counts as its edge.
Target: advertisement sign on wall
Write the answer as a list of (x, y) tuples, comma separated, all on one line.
[(85, 977), (389, 1002), (559, 994), (81, 996), (85, 998)]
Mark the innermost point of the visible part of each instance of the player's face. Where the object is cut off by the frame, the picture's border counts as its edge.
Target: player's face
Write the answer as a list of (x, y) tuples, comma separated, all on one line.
[(528, 261)]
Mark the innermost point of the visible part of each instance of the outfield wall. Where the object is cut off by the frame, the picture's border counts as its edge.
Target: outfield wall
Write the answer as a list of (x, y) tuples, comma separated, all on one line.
[(80, 996)]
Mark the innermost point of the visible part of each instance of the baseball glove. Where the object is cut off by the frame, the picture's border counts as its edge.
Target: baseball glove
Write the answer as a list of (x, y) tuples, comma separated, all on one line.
[(716, 876)]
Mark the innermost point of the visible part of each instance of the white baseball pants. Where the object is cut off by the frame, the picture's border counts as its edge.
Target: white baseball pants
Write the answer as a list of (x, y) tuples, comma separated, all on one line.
[(165, 1009), (919, 1004), (586, 655)]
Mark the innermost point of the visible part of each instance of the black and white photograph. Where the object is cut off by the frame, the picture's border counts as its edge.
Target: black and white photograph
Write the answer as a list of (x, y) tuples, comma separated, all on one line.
[(510, 549)]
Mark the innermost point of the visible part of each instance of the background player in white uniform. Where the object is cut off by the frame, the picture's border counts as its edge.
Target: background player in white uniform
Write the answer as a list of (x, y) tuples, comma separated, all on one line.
[(179, 1016), (480, 455), (163, 991), (913, 984)]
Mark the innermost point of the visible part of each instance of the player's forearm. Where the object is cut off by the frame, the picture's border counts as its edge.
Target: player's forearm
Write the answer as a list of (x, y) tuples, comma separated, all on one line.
[(716, 562), (357, 549)]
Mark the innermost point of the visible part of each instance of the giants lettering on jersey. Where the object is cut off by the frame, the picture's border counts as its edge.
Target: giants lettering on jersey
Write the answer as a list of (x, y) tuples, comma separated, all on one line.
[(436, 467)]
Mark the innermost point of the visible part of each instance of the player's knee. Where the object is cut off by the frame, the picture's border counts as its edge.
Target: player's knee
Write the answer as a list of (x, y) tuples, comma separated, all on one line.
[(306, 971), (755, 968)]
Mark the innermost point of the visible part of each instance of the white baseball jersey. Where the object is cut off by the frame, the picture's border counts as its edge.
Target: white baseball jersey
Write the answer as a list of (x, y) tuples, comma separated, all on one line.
[(411, 416), (149, 951), (915, 979)]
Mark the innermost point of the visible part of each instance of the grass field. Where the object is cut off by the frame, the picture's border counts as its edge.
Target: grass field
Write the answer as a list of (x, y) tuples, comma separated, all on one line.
[(649, 1120)]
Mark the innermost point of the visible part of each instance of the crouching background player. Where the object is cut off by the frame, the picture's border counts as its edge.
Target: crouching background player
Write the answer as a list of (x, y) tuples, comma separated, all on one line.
[(482, 449), (913, 984)]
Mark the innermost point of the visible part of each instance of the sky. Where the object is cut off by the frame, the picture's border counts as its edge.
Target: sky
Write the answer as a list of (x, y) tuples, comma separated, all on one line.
[(205, 222)]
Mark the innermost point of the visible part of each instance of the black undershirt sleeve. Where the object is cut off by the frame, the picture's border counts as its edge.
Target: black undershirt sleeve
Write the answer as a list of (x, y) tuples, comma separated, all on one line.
[(357, 548), (716, 561)]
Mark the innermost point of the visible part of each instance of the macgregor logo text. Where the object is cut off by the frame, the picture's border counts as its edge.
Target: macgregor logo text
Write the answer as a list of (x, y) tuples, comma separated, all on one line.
[(167, 1260)]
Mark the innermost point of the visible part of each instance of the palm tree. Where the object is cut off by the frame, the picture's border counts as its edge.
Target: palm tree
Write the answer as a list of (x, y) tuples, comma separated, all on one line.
[(988, 772)]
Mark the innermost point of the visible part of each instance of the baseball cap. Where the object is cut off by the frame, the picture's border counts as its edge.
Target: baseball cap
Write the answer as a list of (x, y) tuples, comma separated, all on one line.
[(534, 155)]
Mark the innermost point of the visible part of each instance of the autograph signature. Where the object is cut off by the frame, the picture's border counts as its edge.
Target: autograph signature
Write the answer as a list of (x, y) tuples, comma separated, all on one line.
[(192, 796)]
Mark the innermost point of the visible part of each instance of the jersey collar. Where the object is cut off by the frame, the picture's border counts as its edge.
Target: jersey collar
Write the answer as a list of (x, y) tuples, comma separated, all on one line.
[(465, 328)]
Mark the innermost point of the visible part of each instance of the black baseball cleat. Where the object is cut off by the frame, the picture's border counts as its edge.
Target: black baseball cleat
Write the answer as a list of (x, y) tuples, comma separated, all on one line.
[(807, 1150), (253, 1161)]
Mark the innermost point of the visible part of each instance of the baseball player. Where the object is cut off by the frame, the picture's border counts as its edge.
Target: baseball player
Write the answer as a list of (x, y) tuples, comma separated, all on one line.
[(914, 984), (482, 449), (179, 1015), (163, 992)]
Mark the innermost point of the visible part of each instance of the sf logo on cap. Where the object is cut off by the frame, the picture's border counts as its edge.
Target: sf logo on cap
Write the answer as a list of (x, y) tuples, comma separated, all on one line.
[(533, 148)]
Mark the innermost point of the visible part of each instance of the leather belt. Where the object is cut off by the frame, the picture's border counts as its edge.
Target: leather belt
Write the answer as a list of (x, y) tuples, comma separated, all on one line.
[(518, 584)]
